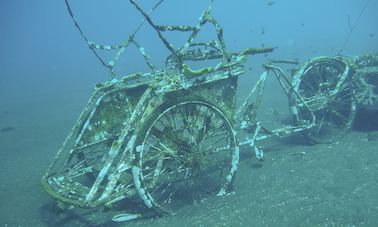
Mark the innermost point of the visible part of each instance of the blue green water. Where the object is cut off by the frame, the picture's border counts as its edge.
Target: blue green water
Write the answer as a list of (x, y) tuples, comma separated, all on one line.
[(47, 74)]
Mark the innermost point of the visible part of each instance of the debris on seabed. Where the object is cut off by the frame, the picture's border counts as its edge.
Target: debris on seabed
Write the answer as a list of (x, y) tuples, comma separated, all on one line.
[(126, 217), (298, 153), (373, 135)]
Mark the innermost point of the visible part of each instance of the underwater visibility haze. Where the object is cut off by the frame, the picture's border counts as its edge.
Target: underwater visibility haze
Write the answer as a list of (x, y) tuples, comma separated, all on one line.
[(192, 113)]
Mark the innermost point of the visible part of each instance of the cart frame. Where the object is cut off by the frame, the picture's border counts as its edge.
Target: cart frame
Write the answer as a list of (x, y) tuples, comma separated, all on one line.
[(121, 145)]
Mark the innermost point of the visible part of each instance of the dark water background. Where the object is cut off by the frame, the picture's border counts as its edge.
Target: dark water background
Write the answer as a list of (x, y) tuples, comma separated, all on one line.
[(47, 71)]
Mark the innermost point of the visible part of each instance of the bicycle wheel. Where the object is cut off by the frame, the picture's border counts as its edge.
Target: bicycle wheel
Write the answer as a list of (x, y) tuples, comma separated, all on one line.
[(325, 89), (188, 151)]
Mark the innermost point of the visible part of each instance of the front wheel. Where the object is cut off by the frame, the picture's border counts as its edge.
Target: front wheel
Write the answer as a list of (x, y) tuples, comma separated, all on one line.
[(185, 152), (327, 93)]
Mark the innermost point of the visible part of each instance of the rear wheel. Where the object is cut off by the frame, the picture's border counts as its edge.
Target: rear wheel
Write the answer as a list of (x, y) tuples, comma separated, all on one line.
[(188, 151)]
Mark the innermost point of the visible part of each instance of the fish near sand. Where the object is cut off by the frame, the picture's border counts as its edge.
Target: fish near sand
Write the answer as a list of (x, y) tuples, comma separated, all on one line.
[(8, 129), (125, 217)]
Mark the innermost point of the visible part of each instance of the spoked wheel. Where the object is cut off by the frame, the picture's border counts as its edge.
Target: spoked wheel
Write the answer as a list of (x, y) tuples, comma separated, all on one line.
[(188, 151), (326, 92)]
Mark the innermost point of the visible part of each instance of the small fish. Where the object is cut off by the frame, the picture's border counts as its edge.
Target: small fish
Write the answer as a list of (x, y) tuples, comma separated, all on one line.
[(8, 129), (274, 111), (126, 217), (349, 23), (371, 35), (270, 3), (263, 30)]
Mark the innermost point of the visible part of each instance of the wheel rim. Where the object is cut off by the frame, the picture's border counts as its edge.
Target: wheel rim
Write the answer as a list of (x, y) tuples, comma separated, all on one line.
[(189, 151), (323, 85)]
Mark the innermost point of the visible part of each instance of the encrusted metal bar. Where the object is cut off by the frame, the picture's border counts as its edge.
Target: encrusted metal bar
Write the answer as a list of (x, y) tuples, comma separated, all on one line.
[(148, 19), (117, 144), (70, 135), (219, 30), (193, 35), (123, 165), (146, 57), (181, 28), (121, 47), (241, 114), (90, 43), (131, 37), (281, 77), (367, 92), (208, 54)]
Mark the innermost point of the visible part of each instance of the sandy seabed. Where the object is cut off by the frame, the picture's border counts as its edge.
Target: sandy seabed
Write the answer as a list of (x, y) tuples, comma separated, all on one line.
[(296, 185)]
